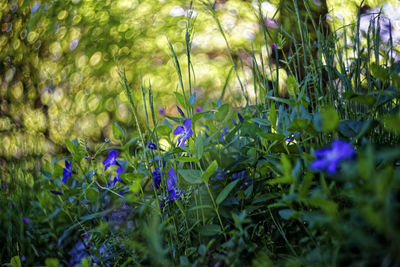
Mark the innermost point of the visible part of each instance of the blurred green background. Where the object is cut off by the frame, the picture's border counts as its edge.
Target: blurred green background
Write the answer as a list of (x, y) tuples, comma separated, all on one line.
[(59, 61)]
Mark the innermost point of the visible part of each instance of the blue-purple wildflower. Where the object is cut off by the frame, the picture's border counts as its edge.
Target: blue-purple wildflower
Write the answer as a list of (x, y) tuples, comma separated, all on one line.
[(173, 192), (150, 145), (184, 131), (225, 131), (199, 109), (240, 117), (67, 172), (161, 111), (329, 158), (157, 178), (111, 159), (117, 178), (25, 220), (180, 111)]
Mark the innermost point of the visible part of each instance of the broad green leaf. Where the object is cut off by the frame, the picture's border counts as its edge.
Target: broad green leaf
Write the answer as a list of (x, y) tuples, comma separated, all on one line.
[(286, 214), (191, 176), (292, 86), (392, 123), (209, 171), (15, 261), (330, 119), (272, 115), (272, 136), (222, 112), (163, 130), (209, 229), (379, 72), (51, 262), (70, 146), (364, 99), (187, 159), (118, 132), (225, 192)]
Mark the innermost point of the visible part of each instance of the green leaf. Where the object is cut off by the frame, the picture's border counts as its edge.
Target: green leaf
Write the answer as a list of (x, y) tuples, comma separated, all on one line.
[(272, 136), (163, 130), (292, 86), (364, 99), (286, 214), (187, 159), (330, 119), (209, 229), (210, 170), (199, 146), (392, 123), (15, 261), (224, 193), (379, 72), (191, 176), (180, 99), (70, 146), (51, 262), (222, 112), (118, 132)]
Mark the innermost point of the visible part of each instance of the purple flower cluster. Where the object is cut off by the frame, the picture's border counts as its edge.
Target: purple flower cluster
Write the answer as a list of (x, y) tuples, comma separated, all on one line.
[(173, 192), (329, 158)]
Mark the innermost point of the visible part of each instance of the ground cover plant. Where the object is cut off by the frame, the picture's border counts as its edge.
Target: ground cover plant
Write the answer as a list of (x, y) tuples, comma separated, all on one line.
[(305, 173)]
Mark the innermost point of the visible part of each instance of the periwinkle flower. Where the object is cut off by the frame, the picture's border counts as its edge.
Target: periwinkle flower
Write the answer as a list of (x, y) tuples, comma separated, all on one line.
[(150, 145), (180, 111), (184, 131), (329, 158), (274, 46), (35, 7), (67, 172), (222, 139), (240, 117), (117, 178), (199, 109), (157, 178), (23, 258), (173, 192), (25, 220), (161, 111), (111, 159)]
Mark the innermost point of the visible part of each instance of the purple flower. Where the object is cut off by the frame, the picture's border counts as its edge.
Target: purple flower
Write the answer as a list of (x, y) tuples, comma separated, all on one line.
[(185, 132), (222, 139), (35, 7), (73, 44), (240, 117), (199, 109), (150, 145), (111, 159), (67, 172), (121, 193), (117, 178), (25, 220), (274, 46), (173, 192), (161, 111), (329, 158), (180, 111), (55, 192), (23, 258), (157, 178)]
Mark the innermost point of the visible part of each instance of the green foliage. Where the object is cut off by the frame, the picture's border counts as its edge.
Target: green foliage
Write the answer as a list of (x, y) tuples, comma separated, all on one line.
[(247, 186)]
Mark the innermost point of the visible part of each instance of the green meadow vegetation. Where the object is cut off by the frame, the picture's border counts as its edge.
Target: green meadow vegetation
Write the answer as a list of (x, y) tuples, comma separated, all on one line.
[(227, 133)]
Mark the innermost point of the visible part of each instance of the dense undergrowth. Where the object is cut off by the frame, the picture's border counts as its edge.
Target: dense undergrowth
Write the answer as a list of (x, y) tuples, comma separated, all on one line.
[(308, 179)]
